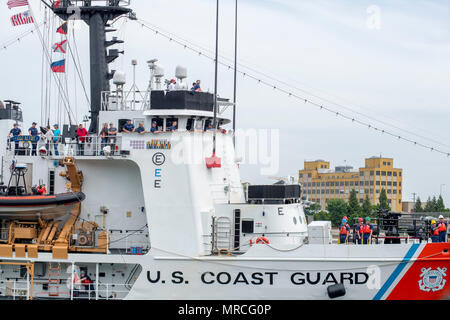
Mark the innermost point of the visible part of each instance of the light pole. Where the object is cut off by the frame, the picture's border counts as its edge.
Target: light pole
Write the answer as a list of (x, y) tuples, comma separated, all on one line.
[(440, 189)]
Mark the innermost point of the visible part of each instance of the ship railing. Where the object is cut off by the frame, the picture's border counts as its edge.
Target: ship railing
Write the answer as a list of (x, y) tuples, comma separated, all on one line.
[(21, 290), (92, 146), (123, 100)]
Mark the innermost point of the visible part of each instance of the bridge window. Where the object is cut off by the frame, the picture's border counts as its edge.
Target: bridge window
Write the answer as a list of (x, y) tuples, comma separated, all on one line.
[(190, 124), (170, 121), (159, 123)]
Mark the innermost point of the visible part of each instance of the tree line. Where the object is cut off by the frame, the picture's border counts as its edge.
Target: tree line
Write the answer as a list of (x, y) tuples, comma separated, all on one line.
[(432, 205)]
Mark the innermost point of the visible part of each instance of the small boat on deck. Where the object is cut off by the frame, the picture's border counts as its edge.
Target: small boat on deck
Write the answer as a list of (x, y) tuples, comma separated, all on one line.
[(35, 206)]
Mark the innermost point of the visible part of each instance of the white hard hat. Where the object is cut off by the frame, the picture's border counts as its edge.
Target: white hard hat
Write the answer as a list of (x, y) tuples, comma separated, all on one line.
[(441, 217)]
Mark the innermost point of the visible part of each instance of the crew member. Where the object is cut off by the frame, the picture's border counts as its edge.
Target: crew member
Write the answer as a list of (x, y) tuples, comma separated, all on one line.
[(442, 226), (173, 127), (128, 127), (172, 85), (367, 231), (81, 134), (140, 129), (41, 190), (359, 231), (344, 231), (154, 128), (434, 232), (33, 131), (15, 132), (57, 138)]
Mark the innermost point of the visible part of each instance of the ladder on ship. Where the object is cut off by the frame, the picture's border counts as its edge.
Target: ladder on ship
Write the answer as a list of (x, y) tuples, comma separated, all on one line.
[(54, 278), (221, 234)]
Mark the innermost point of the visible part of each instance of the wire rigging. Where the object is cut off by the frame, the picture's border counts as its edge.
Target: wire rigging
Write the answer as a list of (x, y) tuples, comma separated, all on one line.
[(292, 94)]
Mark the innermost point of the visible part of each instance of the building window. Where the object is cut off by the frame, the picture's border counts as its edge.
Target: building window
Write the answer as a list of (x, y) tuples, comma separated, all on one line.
[(384, 163), (361, 173), (389, 183), (383, 173), (351, 183), (371, 173), (389, 173), (389, 191), (377, 190), (399, 174), (383, 183), (301, 175), (371, 183), (378, 183), (395, 174), (309, 175), (378, 173), (395, 184), (356, 183)]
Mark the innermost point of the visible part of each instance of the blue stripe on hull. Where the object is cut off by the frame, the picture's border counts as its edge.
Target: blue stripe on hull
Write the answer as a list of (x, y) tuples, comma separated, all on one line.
[(397, 271)]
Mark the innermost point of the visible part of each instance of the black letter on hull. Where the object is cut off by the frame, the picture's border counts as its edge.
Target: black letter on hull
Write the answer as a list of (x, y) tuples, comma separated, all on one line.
[(177, 277), (347, 276), (158, 275), (357, 277), (298, 280), (309, 279), (329, 275)]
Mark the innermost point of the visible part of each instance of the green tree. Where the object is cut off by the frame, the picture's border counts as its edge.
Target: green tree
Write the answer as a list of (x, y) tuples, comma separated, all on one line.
[(383, 201), (337, 208), (440, 206), (354, 209), (322, 216), (366, 207), (429, 207), (418, 205)]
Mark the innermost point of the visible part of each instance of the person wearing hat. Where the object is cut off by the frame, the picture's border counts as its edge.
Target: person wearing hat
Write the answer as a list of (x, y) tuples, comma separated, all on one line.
[(344, 231), (154, 128), (172, 85), (442, 226), (128, 127), (434, 232), (57, 138), (367, 231), (359, 231), (33, 131), (15, 132)]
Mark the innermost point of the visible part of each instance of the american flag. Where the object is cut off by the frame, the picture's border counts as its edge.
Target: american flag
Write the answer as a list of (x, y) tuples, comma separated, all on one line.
[(22, 18), (17, 3)]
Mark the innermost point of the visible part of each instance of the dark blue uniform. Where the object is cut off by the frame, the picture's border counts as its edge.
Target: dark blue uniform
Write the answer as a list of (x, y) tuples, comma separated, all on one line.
[(15, 133), (128, 127), (139, 129), (34, 133)]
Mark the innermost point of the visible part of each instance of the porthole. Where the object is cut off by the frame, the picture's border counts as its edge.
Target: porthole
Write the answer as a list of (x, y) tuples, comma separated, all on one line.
[(295, 220)]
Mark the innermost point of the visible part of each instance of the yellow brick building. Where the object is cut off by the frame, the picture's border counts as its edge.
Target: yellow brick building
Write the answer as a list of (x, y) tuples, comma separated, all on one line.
[(320, 183)]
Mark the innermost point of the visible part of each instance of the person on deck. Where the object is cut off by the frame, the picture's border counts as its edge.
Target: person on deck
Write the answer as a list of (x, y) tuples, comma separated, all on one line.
[(154, 128), (140, 129), (172, 85), (81, 135), (49, 136), (367, 231), (88, 283), (104, 137), (173, 127), (15, 132), (57, 138), (434, 232), (344, 231), (112, 136), (197, 87), (34, 132), (128, 127), (359, 231), (442, 226)]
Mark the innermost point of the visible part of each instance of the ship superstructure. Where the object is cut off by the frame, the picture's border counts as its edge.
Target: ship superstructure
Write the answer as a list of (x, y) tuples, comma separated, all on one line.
[(159, 222)]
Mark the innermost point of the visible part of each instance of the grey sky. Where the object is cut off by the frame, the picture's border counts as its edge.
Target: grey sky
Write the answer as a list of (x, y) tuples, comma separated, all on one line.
[(399, 73)]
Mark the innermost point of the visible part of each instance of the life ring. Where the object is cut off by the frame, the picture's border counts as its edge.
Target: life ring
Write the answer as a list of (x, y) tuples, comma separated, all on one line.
[(262, 240)]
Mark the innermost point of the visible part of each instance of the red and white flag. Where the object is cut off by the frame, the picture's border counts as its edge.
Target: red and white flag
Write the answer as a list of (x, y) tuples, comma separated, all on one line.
[(60, 47), (22, 18), (17, 3)]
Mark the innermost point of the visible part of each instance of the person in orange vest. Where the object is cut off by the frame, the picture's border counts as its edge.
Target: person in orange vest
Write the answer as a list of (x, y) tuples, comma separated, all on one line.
[(41, 190), (367, 231), (359, 231), (442, 227), (434, 232), (344, 230)]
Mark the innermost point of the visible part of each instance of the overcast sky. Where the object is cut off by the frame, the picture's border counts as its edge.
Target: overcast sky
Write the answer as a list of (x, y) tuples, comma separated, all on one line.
[(386, 59)]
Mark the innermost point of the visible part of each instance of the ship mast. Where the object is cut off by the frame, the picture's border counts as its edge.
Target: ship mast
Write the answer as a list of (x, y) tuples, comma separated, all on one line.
[(97, 18)]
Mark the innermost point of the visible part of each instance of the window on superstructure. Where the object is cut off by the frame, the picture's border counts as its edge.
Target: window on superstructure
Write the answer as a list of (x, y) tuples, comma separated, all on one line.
[(159, 123), (170, 122), (247, 226), (190, 124)]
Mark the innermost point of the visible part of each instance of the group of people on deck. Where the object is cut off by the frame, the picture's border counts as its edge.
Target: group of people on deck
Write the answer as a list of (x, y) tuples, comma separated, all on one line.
[(363, 231), (51, 136)]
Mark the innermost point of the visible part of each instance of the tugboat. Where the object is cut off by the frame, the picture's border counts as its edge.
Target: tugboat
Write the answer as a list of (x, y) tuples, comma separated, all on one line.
[(162, 219)]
